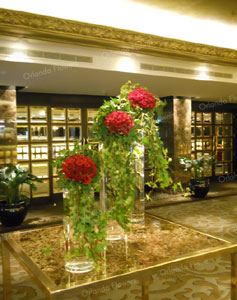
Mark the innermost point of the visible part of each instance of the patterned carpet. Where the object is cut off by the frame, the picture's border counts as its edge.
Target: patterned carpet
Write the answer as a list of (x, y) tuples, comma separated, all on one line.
[(203, 280), (214, 216)]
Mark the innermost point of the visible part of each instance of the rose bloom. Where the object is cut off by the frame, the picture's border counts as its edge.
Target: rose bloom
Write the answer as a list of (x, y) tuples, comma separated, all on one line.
[(79, 168), (141, 98), (119, 122)]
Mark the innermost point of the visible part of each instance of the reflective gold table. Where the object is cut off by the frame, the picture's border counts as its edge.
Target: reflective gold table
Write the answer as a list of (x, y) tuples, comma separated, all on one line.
[(161, 247)]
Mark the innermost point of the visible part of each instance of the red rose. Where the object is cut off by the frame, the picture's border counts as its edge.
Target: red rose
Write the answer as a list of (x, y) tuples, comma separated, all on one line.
[(119, 122), (80, 168), (141, 98)]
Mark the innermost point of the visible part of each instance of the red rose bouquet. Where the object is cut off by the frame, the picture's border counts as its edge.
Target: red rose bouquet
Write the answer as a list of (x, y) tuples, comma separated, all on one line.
[(119, 122), (141, 98), (80, 168)]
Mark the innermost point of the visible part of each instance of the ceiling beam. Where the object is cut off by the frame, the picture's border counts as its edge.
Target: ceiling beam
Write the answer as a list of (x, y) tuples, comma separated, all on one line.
[(27, 25)]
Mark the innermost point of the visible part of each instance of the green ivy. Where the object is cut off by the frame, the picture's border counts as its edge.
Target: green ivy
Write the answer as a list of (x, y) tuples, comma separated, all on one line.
[(119, 151), (87, 220)]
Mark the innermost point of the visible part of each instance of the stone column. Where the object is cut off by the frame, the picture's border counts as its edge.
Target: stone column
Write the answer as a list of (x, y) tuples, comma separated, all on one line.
[(182, 136), (175, 128), (8, 134)]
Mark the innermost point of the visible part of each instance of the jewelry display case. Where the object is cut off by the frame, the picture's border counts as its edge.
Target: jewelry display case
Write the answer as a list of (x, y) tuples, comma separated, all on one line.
[(147, 252)]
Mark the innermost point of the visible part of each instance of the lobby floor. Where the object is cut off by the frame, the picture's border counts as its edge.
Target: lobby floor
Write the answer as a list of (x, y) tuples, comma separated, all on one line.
[(209, 279)]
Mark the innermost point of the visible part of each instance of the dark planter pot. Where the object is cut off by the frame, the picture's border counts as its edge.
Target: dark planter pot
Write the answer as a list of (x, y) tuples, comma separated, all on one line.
[(199, 187), (12, 214)]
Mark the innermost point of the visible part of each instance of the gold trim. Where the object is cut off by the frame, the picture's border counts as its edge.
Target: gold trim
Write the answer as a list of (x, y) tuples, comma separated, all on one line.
[(6, 270), (53, 292), (234, 276), (27, 25)]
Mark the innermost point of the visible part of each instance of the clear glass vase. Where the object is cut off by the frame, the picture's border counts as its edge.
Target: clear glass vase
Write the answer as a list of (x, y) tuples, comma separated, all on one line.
[(74, 262), (113, 230), (139, 201)]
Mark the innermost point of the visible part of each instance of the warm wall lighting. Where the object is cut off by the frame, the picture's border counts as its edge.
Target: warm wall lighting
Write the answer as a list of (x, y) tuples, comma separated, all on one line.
[(203, 74), (18, 55), (126, 64)]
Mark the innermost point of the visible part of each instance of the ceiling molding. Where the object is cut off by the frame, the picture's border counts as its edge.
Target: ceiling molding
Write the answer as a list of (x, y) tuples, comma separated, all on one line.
[(27, 25)]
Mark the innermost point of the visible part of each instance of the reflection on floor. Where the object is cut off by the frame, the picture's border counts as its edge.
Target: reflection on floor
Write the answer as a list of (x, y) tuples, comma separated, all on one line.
[(202, 280), (214, 216)]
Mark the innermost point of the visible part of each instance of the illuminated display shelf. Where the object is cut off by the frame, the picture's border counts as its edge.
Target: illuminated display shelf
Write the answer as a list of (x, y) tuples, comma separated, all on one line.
[(42, 131), (212, 135)]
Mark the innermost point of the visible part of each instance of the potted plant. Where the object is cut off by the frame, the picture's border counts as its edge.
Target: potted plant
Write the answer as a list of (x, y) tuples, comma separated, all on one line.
[(14, 207), (199, 185)]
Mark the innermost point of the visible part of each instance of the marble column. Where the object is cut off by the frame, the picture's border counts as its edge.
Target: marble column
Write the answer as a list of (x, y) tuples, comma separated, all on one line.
[(176, 132), (8, 134), (182, 136)]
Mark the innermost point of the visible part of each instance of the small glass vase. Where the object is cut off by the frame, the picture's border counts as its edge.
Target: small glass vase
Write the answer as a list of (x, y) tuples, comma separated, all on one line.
[(138, 214), (74, 262)]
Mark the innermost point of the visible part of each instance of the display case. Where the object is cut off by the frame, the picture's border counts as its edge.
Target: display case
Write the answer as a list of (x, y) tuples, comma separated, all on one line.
[(22, 133), (74, 133), (38, 114), (22, 114), (58, 115), (74, 115), (42, 131), (91, 113), (212, 134), (22, 152)]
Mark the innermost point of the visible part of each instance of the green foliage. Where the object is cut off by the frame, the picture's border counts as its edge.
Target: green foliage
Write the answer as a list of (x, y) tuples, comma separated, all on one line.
[(158, 160), (12, 179), (47, 250), (196, 166), (177, 186), (87, 221), (119, 151)]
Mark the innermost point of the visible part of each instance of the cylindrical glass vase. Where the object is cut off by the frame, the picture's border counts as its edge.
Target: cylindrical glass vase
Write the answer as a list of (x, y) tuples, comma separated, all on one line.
[(114, 231), (75, 261), (139, 201)]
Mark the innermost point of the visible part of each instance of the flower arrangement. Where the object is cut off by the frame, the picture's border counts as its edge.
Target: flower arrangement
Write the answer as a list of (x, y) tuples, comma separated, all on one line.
[(79, 168), (120, 124), (142, 98), (79, 171)]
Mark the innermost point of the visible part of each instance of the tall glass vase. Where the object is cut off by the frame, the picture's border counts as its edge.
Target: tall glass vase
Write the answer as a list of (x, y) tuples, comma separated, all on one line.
[(113, 230), (75, 261), (139, 201)]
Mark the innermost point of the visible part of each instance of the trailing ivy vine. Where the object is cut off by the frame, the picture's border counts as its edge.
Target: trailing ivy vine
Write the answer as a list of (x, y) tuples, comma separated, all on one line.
[(87, 220)]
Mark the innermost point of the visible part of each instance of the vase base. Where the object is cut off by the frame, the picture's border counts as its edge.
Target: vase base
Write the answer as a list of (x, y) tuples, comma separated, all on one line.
[(114, 231), (114, 237), (79, 267), (138, 218)]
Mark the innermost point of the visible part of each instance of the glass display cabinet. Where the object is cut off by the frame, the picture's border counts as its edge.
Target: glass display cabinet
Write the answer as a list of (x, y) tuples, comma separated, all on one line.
[(212, 134), (42, 131), (91, 113)]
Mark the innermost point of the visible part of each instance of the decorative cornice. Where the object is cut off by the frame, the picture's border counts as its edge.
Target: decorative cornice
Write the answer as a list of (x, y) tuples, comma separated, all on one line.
[(22, 24)]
